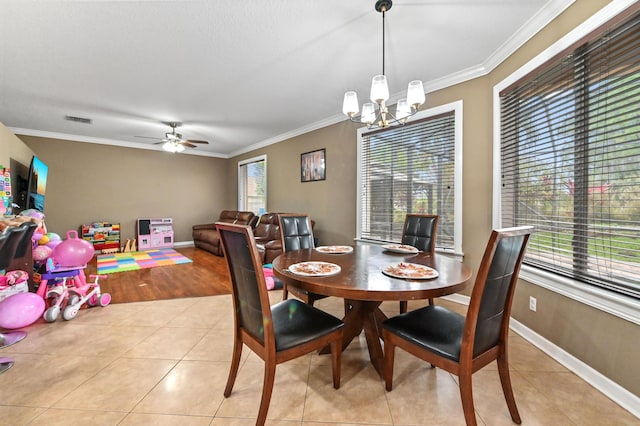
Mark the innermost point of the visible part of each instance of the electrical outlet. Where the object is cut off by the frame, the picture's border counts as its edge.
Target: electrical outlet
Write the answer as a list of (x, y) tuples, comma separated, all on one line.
[(533, 302)]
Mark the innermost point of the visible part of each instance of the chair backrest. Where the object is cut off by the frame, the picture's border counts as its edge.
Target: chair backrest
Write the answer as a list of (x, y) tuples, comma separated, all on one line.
[(249, 289), (10, 240), (25, 239), (420, 231), (490, 306), (296, 232)]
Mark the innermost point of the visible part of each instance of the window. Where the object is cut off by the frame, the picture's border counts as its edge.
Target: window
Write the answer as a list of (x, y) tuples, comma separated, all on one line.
[(252, 185), (570, 159), (413, 168)]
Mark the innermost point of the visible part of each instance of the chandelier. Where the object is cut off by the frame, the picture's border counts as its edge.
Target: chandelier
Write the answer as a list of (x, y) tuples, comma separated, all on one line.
[(376, 114)]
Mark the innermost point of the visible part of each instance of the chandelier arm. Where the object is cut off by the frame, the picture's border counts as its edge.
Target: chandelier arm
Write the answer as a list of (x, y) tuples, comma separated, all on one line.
[(379, 122)]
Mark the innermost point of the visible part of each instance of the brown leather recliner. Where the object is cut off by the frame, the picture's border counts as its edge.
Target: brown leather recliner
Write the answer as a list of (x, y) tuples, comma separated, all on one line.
[(206, 236), (267, 228), (267, 234)]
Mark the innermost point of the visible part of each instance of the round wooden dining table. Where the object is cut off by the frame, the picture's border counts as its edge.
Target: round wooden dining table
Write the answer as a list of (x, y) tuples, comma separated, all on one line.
[(363, 285)]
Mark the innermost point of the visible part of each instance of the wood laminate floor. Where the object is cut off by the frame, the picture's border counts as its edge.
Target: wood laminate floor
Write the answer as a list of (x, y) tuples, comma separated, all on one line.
[(207, 275)]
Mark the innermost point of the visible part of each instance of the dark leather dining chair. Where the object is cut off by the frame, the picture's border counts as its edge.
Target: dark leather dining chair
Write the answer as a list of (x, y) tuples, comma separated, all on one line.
[(463, 345), (278, 333), (419, 231), (296, 233)]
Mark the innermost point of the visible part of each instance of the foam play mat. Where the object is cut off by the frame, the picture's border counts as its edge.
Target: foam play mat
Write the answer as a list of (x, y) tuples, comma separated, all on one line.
[(132, 261)]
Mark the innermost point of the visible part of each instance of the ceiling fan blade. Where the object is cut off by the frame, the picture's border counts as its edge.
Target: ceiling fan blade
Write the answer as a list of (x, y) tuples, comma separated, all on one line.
[(192, 141), (146, 137), (186, 143)]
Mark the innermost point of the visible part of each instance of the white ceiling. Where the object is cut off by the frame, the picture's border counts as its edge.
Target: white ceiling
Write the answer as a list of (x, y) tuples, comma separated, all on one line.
[(240, 74)]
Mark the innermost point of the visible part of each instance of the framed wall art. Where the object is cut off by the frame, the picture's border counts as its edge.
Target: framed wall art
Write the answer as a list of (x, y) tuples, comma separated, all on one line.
[(313, 165)]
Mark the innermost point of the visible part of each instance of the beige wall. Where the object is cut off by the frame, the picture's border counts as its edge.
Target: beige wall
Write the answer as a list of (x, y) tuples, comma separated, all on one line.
[(93, 183), (331, 202), (11, 147)]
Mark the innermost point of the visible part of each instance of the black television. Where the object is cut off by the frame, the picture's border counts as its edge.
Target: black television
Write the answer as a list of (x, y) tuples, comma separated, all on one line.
[(37, 185)]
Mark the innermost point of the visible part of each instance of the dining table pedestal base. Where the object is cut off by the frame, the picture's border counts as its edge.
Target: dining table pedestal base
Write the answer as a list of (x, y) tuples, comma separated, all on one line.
[(364, 315)]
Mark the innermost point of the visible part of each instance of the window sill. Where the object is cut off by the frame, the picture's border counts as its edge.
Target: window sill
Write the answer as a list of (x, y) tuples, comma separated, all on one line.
[(621, 306)]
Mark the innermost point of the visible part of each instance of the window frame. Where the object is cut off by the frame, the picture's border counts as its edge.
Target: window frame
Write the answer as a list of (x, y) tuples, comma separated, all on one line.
[(242, 197), (621, 306), (457, 108)]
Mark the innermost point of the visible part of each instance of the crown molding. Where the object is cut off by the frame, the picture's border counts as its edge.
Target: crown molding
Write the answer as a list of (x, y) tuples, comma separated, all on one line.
[(101, 141)]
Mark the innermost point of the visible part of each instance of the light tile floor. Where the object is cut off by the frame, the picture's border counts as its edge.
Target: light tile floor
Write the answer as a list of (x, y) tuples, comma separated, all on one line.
[(166, 363)]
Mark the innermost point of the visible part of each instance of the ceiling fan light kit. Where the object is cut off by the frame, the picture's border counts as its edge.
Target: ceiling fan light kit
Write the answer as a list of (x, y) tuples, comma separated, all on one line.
[(376, 113), (173, 141), (172, 146)]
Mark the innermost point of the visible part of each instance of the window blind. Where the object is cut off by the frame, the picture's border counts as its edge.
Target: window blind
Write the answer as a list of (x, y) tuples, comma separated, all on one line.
[(570, 160), (408, 169), (252, 185)]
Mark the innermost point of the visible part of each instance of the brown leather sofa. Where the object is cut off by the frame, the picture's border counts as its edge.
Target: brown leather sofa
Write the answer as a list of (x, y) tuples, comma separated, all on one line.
[(206, 236)]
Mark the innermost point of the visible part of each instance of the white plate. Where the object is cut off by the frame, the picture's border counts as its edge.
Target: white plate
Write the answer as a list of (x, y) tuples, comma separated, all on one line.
[(334, 249), (400, 248), (314, 269), (411, 271)]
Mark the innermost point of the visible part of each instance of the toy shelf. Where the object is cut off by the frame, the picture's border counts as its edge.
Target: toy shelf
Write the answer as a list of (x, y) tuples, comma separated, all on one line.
[(103, 235)]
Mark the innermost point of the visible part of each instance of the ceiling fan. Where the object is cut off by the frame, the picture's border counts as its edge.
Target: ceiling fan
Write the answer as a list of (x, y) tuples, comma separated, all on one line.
[(173, 141)]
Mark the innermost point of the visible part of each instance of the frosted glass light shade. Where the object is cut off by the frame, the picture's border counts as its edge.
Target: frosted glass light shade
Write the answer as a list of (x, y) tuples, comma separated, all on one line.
[(174, 147), (368, 113), (415, 94), (403, 110), (350, 104), (379, 89)]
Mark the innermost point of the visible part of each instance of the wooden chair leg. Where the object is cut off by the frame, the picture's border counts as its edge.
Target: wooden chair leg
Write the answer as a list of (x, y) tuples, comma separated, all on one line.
[(505, 380), (336, 360), (285, 291), (466, 395), (387, 366), (233, 370), (267, 390)]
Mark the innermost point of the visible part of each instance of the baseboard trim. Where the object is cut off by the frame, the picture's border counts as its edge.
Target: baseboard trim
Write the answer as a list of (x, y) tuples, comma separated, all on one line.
[(183, 244), (605, 385)]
